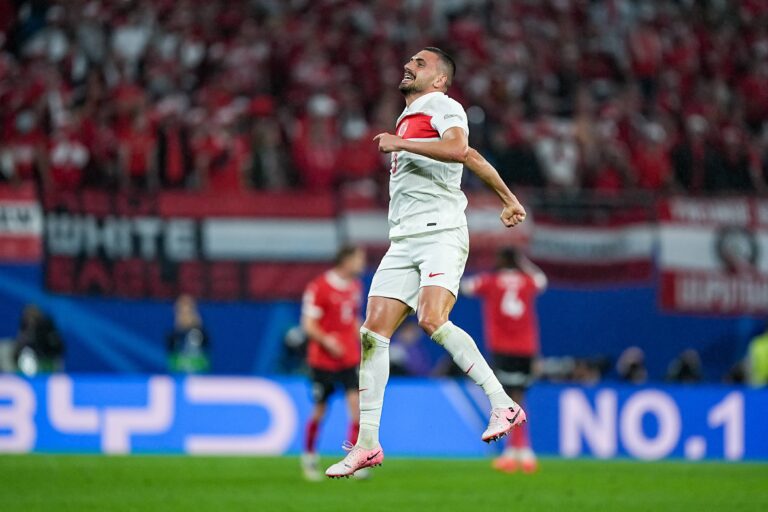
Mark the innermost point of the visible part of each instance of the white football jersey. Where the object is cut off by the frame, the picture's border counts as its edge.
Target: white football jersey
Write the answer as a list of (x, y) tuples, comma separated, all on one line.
[(425, 194)]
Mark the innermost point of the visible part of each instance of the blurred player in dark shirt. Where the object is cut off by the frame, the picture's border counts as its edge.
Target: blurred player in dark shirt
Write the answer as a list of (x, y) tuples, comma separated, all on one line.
[(512, 334), (330, 316)]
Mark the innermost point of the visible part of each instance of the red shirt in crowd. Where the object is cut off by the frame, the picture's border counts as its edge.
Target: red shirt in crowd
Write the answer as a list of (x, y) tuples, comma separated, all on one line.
[(645, 49), (754, 90), (361, 158), (335, 304), (173, 166), (67, 158), (138, 147), (223, 158), (25, 150), (509, 309), (653, 166), (608, 179), (316, 155)]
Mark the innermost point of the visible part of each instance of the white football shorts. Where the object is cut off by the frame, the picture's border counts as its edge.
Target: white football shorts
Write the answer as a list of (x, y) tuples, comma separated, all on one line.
[(430, 259)]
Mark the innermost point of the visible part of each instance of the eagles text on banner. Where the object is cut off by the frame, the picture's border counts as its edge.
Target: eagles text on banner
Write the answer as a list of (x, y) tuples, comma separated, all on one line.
[(261, 246)]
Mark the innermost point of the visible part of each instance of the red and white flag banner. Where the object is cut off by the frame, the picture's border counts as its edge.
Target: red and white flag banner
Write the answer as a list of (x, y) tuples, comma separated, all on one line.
[(619, 253), (21, 225), (247, 246), (713, 255), (266, 246)]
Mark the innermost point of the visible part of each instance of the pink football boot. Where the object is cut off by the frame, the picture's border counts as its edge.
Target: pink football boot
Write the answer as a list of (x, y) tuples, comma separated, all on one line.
[(357, 458), (503, 419)]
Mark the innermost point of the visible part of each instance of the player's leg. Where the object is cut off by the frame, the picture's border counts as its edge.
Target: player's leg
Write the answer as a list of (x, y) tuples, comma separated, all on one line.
[(322, 388), (392, 296), (383, 316), (520, 438), (435, 304), (313, 427), (442, 258), (516, 375)]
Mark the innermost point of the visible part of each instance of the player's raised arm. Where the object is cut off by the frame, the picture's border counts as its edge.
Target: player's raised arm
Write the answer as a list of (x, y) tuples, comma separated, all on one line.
[(533, 270), (452, 146), (513, 212)]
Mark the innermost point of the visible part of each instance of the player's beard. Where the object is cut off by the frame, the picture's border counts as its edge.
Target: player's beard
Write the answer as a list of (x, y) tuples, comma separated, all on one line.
[(409, 88)]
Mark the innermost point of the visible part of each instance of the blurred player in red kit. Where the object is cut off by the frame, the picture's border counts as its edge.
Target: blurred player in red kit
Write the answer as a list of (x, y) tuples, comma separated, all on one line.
[(512, 334), (330, 316)]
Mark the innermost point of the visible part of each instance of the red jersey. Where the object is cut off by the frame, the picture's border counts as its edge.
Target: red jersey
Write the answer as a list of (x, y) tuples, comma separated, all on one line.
[(509, 310), (24, 149), (335, 304), (225, 157), (68, 157), (138, 145)]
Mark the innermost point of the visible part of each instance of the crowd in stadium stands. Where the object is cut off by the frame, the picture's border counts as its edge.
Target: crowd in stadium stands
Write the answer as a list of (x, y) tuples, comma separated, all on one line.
[(667, 95)]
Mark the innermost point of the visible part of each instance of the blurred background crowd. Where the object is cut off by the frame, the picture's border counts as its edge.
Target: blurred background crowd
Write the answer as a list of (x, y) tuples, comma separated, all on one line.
[(571, 95), (567, 96)]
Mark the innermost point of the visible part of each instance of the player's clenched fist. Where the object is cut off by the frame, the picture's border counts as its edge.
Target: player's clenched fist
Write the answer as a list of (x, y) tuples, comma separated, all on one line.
[(387, 142), (512, 215)]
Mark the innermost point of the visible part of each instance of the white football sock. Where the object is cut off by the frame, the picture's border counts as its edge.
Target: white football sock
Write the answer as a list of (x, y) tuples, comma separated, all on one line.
[(374, 373), (465, 354)]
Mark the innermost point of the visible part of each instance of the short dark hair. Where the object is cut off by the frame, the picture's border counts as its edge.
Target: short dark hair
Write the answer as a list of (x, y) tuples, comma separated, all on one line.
[(344, 252), (446, 59), (508, 257)]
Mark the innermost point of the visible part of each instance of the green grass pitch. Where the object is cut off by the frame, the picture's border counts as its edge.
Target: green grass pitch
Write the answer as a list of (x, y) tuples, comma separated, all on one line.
[(223, 484)]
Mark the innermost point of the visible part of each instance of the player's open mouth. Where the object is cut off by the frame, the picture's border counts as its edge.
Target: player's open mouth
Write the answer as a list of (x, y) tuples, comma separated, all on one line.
[(407, 77)]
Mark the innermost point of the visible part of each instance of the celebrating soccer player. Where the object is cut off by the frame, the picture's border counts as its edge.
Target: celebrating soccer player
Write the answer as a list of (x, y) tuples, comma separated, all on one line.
[(330, 315), (429, 244), (512, 334)]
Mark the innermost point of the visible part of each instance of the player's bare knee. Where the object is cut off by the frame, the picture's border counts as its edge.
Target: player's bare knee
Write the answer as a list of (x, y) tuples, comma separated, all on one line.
[(377, 327), (378, 323), (431, 322)]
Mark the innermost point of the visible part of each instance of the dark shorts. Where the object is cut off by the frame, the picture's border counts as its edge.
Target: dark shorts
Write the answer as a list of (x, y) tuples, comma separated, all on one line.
[(514, 372), (324, 382)]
